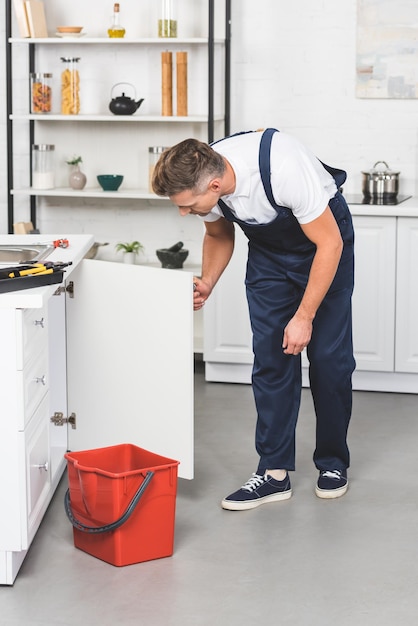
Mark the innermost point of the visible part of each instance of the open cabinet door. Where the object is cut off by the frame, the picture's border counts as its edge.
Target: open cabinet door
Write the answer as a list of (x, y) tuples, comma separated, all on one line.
[(130, 359)]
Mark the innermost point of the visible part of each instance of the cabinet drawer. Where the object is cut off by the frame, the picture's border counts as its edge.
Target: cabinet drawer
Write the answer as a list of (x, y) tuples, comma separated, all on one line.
[(37, 492), (34, 333), (34, 385)]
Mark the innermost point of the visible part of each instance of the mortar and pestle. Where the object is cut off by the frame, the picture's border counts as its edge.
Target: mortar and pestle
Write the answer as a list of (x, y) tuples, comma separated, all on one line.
[(174, 257)]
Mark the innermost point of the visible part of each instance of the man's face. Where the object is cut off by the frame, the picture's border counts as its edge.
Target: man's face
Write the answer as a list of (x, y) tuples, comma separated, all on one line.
[(189, 202)]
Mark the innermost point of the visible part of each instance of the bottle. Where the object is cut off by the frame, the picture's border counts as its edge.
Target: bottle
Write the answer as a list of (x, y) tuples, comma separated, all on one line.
[(70, 86), (43, 175), (41, 93), (167, 24), (116, 30)]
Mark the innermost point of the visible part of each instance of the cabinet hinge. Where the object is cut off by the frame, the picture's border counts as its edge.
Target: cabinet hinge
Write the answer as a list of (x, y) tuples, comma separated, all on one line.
[(69, 289), (58, 419)]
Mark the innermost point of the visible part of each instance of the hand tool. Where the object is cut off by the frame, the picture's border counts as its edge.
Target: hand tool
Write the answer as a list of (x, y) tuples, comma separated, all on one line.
[(36, 269), (31, 269)]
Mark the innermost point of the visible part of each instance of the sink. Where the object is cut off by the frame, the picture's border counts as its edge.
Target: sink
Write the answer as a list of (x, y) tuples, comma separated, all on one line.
[(24, 253)]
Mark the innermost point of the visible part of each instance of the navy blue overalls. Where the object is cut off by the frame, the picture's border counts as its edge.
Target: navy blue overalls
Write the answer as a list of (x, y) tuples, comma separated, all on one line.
[(279, 261)]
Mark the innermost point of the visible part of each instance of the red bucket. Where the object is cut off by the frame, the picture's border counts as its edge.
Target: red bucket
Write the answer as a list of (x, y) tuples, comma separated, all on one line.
[(121, 501)]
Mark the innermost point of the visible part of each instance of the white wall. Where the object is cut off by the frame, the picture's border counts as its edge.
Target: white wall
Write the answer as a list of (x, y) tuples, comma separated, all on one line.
[(293, 68)]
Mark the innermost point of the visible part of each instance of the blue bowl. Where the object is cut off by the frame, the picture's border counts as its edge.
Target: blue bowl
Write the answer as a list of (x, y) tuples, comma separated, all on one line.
[(110, 182)]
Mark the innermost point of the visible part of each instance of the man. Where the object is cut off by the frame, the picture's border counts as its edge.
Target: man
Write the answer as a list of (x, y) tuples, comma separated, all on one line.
[(299, 283)]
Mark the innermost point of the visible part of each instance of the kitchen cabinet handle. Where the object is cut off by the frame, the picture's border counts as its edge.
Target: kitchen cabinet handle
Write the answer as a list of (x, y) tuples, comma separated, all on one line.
[(40, 322), (41, 379)]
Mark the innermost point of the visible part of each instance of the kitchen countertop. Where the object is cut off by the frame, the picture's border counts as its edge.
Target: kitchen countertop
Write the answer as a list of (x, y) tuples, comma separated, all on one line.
[(36, 298), (408, 208)]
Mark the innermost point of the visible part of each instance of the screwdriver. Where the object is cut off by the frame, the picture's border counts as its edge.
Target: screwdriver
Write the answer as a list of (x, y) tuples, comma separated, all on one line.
[(36, 269), (49, 270)]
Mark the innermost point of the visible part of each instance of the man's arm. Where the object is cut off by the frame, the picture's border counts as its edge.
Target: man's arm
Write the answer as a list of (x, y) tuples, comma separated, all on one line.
[(325, 234), (218, 245)]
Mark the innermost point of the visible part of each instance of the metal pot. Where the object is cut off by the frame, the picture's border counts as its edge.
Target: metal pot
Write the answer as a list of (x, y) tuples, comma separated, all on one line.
[(380, 182)]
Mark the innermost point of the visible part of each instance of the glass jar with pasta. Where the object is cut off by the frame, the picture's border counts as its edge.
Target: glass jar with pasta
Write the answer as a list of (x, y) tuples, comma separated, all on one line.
[(70, 86), (41, 93)]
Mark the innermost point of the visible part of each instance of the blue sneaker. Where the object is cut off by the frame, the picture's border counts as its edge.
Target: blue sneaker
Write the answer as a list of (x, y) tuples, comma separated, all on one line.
[(331, 483), (258, 490)]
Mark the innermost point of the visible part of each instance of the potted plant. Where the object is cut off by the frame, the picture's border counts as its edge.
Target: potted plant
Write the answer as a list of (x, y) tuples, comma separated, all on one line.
[(77, 178), (130, 250)]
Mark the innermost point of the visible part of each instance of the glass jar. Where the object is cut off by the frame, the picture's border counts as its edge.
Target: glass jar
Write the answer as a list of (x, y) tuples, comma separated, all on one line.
[(167, 24), (43, 169), (40, 93), (70, 86), (154, 153)]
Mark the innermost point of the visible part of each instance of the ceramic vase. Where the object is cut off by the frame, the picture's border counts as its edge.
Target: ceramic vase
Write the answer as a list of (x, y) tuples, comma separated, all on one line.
[(77, 179), (129, 257)]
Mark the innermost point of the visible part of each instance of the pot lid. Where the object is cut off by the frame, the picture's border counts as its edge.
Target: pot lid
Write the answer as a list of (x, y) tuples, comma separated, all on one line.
[(381, 171)]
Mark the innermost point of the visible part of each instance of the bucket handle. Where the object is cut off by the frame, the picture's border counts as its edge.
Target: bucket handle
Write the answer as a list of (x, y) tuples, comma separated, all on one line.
[(114, 525)]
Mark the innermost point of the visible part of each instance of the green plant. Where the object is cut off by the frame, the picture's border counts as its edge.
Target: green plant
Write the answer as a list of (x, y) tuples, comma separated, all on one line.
[(133, 246), (75, 160)]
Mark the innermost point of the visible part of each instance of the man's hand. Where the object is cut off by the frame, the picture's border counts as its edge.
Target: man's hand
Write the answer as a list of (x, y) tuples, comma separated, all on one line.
[(297, 335), (201, 293)]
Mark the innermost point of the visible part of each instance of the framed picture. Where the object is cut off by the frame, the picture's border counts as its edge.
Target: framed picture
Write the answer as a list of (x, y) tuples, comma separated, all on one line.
[(387, 49)]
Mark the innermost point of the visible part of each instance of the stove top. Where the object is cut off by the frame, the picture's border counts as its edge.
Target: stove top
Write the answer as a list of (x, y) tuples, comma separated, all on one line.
[(354, 198)]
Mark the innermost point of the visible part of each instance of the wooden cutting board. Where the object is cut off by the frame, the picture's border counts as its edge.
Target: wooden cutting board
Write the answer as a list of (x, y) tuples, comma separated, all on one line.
[(22, 21), (35, 12)]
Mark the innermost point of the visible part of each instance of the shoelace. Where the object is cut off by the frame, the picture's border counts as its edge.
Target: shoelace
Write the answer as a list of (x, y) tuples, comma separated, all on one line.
[(254, 482), (332, 474)]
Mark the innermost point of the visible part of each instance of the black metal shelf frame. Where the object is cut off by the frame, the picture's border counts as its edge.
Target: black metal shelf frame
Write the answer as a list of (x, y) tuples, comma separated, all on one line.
[(31, 53)]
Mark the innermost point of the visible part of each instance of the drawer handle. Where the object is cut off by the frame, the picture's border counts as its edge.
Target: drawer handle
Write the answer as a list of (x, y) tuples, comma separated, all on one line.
[(40, 322), (44, 466), (40, 379)]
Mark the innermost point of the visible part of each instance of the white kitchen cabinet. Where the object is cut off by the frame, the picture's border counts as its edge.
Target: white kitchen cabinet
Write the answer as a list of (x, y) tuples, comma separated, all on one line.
[(130, 359), (24, 433), (107, 360), (385, 306), (406, 358), (374, 293)]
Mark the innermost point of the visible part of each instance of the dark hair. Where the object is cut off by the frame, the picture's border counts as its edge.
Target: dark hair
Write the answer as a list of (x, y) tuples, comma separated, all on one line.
[(188, 165)]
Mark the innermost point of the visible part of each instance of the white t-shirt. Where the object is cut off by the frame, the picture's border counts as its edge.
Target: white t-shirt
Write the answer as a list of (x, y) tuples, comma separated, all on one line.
[(298, 180)]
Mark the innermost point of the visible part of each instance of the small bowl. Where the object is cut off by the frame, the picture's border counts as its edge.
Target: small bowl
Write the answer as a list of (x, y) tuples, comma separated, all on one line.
[(172, 260), (110, 182), (66, 30)]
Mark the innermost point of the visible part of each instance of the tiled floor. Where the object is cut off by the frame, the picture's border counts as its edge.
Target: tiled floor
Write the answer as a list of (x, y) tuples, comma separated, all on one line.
[(302, 562)]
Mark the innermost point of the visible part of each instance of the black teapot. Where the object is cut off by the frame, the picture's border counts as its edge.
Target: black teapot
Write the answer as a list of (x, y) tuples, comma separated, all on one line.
[(123, 105)]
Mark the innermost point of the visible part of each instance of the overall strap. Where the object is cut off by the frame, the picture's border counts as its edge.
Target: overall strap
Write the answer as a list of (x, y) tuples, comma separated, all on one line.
[(264, 163), (225, 210)]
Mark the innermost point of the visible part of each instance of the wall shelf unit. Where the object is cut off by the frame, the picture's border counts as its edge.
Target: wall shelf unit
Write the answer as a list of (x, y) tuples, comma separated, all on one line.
[(207, 117)]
